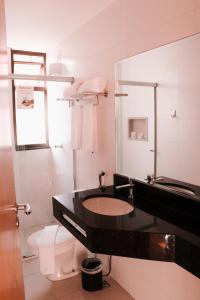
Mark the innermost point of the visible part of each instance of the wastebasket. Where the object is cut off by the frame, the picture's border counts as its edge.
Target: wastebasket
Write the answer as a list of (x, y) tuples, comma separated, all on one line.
[(91, 274)]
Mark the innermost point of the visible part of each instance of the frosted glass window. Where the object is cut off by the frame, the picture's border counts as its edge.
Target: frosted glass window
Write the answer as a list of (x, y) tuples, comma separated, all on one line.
[(29, 65), (30, 123), (30, 109), (28, 69), (29, 58)]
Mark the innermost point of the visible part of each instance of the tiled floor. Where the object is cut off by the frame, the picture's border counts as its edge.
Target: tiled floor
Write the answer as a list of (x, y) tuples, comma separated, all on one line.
[(37, 287)]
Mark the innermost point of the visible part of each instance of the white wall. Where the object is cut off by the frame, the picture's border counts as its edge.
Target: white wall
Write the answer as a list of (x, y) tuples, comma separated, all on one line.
[(153, 280), (126, 28)]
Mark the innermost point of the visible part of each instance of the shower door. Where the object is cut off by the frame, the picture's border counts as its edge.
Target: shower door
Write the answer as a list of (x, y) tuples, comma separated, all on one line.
[(43, 173)]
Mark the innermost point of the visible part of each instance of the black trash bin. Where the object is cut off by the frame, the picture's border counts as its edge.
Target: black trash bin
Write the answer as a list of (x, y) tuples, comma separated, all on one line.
[(91, 274)]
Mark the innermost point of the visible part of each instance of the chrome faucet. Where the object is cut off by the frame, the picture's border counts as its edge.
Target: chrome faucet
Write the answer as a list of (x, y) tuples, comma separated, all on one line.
[(130, 185), (151, 179), (101, 184)]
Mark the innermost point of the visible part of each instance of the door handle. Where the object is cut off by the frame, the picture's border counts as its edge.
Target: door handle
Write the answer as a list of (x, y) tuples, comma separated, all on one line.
[(25, 207)]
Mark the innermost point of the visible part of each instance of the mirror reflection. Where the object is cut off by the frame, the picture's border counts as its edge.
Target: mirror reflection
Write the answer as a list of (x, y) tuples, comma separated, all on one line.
[(160, 135)]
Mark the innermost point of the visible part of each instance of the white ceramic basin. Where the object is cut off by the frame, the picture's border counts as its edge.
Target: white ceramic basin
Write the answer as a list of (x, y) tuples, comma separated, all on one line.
[(108, 206)]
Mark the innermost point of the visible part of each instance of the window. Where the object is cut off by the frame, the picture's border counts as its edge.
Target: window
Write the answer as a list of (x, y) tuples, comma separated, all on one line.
[(29, 101)]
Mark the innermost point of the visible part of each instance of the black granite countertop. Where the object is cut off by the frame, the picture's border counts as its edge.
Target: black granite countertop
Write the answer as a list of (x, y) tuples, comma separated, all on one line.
[(155, 230)]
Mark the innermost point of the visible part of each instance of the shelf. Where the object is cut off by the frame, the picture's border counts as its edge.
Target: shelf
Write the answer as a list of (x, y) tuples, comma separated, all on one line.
[(138, 128), (137, 139), (41, 78), (121, 94), (138, 83)]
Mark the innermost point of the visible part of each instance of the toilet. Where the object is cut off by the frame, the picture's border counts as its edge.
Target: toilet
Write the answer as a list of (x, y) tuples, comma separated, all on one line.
[(69, 253)]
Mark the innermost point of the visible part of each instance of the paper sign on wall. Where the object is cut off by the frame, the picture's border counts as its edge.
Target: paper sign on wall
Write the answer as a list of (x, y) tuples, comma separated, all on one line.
[(25, 97)]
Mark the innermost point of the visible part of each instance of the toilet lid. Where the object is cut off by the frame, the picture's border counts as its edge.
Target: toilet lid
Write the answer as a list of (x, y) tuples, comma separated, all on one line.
[(63, 237)]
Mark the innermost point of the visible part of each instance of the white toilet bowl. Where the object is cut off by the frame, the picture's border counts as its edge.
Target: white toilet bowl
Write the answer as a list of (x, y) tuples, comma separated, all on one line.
[(68, 253)]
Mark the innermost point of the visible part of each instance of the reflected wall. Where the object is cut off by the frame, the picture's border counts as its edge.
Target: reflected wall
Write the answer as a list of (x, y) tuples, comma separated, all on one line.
[(176, 69)]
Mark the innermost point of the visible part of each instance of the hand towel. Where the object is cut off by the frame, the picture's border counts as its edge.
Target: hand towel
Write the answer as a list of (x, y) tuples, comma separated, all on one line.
[(72, 90), (94, 85), (47, 249), (89, 138), (76, 127)]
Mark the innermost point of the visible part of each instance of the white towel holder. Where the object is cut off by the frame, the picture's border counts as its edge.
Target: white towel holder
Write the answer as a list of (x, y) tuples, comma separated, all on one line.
[(83, 96)]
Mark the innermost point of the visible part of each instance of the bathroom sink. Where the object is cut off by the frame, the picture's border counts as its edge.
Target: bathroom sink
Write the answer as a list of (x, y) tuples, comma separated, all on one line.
[(108, 206), (177, 188)]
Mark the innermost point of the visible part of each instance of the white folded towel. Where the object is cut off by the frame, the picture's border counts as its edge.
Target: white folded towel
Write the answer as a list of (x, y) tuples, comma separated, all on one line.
[(89, 138), (47, 249), (72, 90), (94, 85), (76, 127)]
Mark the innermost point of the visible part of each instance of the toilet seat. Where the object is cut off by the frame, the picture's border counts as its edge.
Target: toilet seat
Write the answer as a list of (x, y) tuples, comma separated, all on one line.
[(63, 239)]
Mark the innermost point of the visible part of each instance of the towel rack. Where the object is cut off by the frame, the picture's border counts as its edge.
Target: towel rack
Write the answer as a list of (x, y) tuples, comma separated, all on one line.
[(80, 97)]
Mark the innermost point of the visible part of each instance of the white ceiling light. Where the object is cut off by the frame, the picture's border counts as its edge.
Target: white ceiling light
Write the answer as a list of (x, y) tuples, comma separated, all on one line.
[(58, 68)]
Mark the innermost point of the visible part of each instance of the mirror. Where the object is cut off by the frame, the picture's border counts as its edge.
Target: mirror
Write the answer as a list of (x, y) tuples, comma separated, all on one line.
[(158, 127)]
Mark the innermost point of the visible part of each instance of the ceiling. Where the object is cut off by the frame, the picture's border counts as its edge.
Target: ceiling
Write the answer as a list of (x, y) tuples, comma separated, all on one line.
[(41, 25)]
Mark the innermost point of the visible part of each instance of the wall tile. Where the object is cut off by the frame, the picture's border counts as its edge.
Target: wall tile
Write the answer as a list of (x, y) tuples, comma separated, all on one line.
[(139, 26), (193, 287)]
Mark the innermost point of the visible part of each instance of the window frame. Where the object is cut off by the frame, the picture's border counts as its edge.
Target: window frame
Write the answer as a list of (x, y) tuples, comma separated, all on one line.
[(36, 88)]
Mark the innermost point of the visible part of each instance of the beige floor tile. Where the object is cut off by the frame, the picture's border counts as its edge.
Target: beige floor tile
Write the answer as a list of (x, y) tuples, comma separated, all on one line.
[(37, 287), (64, 287), (77, 281), (115, 291), (74, 296)]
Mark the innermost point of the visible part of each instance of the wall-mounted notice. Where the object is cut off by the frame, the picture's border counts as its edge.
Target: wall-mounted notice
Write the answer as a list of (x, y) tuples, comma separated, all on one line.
[(25, 97)]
